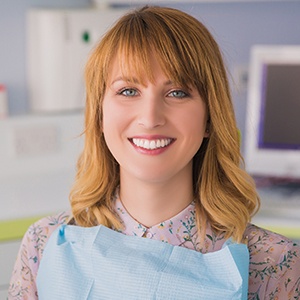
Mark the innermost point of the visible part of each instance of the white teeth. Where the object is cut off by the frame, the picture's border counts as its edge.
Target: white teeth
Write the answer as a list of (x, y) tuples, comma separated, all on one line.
[(153, 144), (146, 144)]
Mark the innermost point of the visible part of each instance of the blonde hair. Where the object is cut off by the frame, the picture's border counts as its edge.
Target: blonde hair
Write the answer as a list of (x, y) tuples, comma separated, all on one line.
[(225, 194)]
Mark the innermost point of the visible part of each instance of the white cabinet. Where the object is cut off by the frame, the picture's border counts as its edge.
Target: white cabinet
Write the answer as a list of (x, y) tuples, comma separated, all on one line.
[(59, 42), (8, 255), (38, 156)]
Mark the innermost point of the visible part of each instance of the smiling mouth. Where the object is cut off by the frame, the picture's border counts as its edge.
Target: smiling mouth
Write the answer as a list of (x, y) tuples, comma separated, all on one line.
[(152, 144)]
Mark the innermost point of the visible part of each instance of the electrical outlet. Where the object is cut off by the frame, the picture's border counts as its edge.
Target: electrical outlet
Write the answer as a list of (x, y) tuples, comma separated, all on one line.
[(33, 141)]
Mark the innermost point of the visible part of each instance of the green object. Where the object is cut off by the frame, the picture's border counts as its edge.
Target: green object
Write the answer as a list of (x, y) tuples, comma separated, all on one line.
[(290, 232), (15, 229), (86, 37)]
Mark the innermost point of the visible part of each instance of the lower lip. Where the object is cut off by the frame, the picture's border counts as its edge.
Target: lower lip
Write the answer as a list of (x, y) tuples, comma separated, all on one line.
[(151, 151)]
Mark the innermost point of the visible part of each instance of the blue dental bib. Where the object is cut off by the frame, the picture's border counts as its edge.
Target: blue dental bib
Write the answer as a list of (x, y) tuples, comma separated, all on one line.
[(99, 263)]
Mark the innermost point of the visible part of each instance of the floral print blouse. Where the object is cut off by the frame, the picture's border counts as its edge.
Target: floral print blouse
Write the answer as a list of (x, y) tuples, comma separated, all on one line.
[(274, 270)]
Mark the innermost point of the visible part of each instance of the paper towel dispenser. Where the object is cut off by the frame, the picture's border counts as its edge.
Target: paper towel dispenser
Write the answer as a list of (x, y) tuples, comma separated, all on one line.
[(58, 45)]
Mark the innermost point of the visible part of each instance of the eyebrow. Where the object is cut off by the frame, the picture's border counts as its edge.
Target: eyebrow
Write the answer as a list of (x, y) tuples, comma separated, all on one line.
[(126, 79), (135, 80)]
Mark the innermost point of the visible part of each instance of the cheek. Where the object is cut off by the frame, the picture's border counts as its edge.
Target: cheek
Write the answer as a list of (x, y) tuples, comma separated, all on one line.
[(194, 126), (115, 112), (108, 126), (107, 112), (195, 121), (115, 124), (111, 117)]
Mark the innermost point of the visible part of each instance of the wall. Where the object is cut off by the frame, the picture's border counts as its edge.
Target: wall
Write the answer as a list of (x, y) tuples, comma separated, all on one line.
[(236, 26)]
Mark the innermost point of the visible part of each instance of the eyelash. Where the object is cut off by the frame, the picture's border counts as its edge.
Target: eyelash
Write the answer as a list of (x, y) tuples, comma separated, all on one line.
[(124, 90), (184, 94)]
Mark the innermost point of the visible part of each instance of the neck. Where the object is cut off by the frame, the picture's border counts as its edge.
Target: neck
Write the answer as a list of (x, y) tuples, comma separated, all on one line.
[(152, 203)]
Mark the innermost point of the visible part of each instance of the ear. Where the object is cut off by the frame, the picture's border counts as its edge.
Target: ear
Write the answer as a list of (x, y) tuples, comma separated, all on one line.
[(206, 133)]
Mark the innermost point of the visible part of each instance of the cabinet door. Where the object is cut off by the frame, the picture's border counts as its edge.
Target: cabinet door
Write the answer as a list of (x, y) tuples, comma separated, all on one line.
[(3, 293), (8, 255)]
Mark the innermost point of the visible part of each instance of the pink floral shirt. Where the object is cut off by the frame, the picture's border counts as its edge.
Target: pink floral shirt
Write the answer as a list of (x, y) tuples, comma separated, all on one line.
[(274, 271)]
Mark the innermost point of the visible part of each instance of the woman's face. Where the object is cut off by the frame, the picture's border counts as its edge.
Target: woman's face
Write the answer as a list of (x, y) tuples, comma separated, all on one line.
[(153, 129)]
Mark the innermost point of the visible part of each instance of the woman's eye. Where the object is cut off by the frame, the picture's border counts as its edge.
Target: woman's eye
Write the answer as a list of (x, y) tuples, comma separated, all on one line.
[(128, 92), (178, 94)]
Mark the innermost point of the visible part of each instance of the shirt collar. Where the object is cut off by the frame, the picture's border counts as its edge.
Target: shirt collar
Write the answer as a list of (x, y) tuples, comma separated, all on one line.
[(176, 231)]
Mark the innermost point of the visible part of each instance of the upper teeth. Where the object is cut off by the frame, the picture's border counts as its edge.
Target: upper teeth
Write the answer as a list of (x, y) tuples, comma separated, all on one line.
[(151, 144)]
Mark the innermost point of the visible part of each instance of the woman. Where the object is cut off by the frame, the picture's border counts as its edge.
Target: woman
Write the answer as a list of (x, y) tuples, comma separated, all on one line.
[(162, 161)]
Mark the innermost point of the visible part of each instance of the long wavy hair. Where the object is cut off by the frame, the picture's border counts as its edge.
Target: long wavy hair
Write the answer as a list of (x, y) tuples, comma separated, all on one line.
[(225, 194)]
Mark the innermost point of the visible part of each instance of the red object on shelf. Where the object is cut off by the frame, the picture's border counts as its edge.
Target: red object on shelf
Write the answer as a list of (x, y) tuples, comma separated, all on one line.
[(3, 101)]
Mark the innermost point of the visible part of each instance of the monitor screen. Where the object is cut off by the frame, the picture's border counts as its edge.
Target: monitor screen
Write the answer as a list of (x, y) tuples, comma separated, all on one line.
[(280, 106), (272, 137)]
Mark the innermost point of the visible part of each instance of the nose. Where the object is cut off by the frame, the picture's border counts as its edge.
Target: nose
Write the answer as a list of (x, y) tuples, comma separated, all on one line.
[(152, 112)]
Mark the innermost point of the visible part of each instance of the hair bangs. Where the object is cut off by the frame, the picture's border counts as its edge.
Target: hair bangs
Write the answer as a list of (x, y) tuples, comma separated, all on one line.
[(144, 36), (134, 59)]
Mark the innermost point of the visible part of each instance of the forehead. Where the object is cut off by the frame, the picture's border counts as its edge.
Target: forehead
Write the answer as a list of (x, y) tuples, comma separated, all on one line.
[(134, 69), (143, 69)]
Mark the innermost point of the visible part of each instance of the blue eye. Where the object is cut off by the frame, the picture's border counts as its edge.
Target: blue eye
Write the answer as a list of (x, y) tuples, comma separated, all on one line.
[(128, 92), (178, 94)]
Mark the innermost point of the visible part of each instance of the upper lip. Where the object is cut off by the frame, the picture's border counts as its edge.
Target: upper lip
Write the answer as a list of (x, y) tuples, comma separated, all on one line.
[(151, 137)]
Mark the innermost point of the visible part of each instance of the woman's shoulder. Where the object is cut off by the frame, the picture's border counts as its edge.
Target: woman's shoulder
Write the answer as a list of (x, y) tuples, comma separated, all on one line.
[(39, 232), (53, 221), (274, 269), (265, 245), (22, 283), (263, 239)]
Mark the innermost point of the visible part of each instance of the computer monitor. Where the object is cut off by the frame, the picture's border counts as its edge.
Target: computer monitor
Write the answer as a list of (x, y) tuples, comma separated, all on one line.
[(272, 135)]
